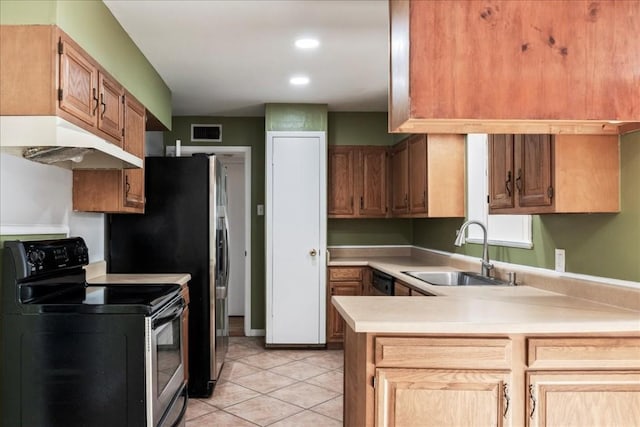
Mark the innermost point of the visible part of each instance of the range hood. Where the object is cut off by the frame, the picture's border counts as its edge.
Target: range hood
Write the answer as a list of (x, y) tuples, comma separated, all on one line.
[(53, 140)]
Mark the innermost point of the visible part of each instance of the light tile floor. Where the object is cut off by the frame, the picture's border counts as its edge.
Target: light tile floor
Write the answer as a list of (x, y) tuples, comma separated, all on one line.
[(279, 388)]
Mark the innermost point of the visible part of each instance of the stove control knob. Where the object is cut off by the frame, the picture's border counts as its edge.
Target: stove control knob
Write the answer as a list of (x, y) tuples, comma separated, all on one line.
[(33, 257), (41, 256), (81, 251)]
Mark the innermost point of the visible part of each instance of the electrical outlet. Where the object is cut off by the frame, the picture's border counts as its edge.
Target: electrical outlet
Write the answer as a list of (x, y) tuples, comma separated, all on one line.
[(260, 209), (560, 260)]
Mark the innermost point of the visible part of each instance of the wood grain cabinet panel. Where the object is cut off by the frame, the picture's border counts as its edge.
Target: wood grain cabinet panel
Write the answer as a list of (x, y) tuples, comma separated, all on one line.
[(583, 353), (535, 174), (513, 66), (111, 106), (451, 353), (77, 92), (427, 176), (420, 397), (576, 399), (342, 281), (357, 183), (340, 182)]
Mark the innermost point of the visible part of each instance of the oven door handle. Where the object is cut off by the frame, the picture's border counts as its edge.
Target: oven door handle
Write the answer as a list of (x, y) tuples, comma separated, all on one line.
[(169, 316)]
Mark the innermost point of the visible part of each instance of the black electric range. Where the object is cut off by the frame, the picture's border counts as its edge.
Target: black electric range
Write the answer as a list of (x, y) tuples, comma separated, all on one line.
[(74, 354)]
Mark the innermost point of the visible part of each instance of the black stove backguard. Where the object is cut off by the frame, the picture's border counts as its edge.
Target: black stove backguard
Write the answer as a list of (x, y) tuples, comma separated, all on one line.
[(33, 272)]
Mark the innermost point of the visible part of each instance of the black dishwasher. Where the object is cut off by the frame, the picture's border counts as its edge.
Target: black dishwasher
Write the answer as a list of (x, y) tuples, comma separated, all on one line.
[(382, 283)]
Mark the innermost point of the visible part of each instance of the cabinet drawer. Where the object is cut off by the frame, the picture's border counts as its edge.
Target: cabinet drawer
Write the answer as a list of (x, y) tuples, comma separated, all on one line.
[(449, 353), (580, 353), (345, 273)]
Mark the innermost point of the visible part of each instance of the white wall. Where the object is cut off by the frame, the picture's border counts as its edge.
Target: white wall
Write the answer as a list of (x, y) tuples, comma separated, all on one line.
[(36, 199)]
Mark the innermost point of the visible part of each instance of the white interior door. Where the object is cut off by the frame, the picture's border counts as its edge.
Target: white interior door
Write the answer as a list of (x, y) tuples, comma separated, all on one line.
[(296, 237), (235, 215)]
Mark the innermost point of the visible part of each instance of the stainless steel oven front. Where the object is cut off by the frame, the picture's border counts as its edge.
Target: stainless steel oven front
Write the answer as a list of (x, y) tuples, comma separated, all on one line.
[(163, 359)]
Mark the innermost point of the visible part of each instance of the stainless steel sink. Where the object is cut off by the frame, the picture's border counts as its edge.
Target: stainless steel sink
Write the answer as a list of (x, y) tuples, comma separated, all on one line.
[(455, 278)]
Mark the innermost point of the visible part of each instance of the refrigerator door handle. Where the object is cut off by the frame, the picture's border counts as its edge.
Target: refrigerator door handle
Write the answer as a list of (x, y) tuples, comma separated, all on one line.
[(221, 292)]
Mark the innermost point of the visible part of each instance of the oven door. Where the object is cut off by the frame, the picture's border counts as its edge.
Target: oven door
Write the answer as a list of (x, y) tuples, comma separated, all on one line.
[(164, 367)]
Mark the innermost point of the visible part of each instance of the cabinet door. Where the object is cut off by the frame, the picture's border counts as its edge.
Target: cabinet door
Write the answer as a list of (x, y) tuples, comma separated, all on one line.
[(77, 94), (340, 182), (501, 176), (421, 397), (533, 165), (335, 323), (400, 179), (418, 174), (134, 123), (371, 187), (401, 290), (576, 399), (110, 110)]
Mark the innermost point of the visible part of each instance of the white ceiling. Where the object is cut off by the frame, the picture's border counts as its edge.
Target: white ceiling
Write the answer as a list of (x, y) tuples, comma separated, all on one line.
[(229, 58)]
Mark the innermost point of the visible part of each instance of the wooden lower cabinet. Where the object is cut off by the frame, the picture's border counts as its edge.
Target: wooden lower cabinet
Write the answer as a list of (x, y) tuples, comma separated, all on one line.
[(476, 380), (401, 290), (424, 397), (576, 399), (342, 281)]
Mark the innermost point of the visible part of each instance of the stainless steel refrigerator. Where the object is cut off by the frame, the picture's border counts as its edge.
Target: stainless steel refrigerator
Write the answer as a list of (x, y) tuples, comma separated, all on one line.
[(183, 230)]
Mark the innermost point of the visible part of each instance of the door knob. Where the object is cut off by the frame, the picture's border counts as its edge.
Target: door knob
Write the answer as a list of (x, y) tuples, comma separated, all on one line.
[(313, 252)]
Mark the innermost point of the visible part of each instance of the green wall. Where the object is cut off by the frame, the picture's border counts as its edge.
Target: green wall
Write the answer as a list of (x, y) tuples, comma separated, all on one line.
[(239, 131), (359, 129), (605, 245), (364, 128), (296, 117), (91, 24)]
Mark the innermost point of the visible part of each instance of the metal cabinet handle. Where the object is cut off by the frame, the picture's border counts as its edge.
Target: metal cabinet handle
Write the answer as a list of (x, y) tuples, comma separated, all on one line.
[(424, 198), (104, 105), (508, 183), (507, 399), (533, 401), (127, 186), (95, 98), (361, 202), (313, 252), (519, 181)]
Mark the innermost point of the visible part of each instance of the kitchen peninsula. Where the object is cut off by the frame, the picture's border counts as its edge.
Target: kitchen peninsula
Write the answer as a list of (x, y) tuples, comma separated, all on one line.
[(487, 355)]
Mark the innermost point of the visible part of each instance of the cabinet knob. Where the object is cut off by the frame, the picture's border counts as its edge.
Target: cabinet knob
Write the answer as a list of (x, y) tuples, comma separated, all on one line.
[(313, 252)]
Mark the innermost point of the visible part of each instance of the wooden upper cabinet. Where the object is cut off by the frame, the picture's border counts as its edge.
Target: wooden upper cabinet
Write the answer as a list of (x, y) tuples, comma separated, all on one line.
[(43, 72), (340, 181), (77, 91), (531, 174), (418, 174), (111, 105), (357, 182), (400, 179), (371, 181), (533, 179), (513, 67), (134, 130), (427, 176), (501, 179)]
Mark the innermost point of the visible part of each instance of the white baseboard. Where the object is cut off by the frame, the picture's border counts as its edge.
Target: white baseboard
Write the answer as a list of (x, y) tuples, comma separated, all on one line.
[(256, 333)]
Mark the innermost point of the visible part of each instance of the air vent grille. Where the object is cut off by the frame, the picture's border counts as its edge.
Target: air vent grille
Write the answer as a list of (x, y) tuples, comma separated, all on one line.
[(206, 133)]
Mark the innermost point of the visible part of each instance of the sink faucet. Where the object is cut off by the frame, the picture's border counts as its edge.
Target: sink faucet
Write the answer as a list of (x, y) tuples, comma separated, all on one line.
[(486, 265)]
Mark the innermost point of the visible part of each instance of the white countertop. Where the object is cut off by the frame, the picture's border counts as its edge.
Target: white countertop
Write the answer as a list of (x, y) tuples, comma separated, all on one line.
[(140, 279), (474, 309), (97, 275)]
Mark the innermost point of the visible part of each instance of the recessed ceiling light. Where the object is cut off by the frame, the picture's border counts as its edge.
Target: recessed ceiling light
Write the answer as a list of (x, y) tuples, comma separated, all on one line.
[(307, 43), (299, 80), (615, 122)]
